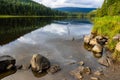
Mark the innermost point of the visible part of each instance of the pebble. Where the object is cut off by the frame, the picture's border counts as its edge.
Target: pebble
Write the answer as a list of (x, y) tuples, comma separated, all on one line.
[(81, 63), (98, 73), (87, 70), (94, 78)]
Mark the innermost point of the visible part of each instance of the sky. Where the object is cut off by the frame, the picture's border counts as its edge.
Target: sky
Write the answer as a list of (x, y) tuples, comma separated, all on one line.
[(71, 3)]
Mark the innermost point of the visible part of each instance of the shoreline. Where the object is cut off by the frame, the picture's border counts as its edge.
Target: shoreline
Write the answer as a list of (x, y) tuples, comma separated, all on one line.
[(20, 16)]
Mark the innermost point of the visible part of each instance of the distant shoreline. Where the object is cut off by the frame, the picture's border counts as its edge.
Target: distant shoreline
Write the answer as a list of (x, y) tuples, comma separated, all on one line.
[(14, 16)]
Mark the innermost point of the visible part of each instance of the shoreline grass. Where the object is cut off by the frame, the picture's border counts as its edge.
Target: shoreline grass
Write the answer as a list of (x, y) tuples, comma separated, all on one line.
[(107, 26)]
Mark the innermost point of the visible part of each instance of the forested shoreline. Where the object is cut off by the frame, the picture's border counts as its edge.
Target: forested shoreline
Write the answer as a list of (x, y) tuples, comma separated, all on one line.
[(26, 8)]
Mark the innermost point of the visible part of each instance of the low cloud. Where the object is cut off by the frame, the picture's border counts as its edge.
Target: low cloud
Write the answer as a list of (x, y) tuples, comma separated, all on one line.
[(71, 3)]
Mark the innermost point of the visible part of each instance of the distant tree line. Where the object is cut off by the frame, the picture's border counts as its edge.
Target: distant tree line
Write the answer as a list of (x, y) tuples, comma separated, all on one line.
[(26, 7)]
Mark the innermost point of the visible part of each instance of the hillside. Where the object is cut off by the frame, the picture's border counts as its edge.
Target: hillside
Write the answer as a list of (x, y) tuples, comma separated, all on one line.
[(75, 9), (26, 7), (110, 8)]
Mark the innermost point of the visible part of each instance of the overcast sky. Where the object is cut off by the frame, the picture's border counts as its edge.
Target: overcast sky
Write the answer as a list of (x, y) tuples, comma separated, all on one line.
[(71, 3)]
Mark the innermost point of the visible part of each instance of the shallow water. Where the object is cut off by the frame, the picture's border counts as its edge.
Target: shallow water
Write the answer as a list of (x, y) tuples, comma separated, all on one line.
[(61, 43)]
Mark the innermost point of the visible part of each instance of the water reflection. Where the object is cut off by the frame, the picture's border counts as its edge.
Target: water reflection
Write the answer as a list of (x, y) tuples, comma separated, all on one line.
[(39, 75), (13, 28), (7, 73), (54, 42)]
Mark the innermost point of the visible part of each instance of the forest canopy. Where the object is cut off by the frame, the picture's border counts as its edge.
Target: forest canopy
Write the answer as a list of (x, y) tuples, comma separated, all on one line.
[(109, 8), (26, 7)]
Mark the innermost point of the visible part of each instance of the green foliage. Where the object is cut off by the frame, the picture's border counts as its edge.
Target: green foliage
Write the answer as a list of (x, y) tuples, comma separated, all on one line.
[(92, 14), (107, 26), (26, 7), (110, 8)]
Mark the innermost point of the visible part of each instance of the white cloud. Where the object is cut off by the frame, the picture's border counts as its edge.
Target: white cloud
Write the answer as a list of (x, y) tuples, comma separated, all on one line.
[(71, 3)]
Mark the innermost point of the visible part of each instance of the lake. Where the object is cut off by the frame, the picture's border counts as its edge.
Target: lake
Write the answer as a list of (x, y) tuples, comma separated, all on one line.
[(58, 39)]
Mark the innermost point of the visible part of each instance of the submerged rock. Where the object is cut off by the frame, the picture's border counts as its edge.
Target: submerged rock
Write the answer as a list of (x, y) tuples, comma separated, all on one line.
[(81, 63), (6, 63), (53, 69), (98, 73), (39, 63), (98, 55), (103, 61), (76, 74), (94, 78), (87, 70)]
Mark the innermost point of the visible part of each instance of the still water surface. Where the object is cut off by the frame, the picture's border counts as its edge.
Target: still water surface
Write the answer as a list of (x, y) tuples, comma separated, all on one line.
[(60, 40)]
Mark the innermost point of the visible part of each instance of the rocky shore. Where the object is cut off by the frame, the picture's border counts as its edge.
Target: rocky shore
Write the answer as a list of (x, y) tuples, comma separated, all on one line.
[(83, 70), (38, 65)]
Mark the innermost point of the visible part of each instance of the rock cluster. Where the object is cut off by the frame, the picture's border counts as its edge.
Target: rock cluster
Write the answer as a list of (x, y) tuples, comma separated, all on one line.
[(80, 72), (38, 64), (95, 43)]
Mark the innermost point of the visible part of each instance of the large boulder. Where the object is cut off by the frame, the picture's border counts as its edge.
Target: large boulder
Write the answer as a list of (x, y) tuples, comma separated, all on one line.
[(6, 63), (39, 63), (87, 38), (97, 48)]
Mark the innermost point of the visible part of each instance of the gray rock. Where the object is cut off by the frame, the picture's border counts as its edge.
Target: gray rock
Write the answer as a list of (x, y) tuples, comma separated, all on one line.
[(6, 63), (94, 78), (97, 48), (93, 42), (99, 37), (101, 40), (103, 61), (98, 55), (76, 74), (98, 73), (87, 70), (116, 37), (87, 38), (39, 63), (117, 48), (110, 61), (80, 69), (81, 63), (53, 69)]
